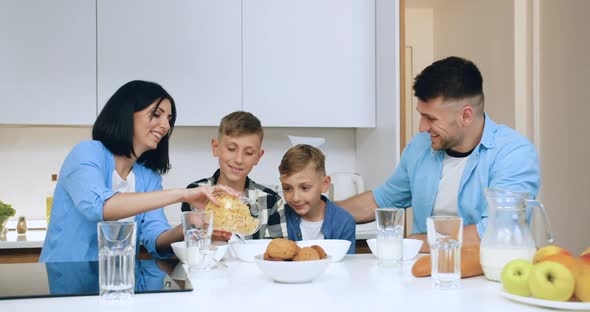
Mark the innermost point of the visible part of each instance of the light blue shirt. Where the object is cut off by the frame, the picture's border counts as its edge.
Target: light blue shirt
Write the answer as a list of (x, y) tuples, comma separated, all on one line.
[(503, 159), (83, 187)]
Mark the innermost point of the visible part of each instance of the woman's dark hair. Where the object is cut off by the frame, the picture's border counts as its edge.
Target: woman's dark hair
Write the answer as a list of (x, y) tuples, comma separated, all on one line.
[(114, 125)]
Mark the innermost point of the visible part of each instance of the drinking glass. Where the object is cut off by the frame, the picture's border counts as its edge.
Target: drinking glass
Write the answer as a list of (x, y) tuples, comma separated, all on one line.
[(116, 259), (198, 228), (445, 236), (390, 236)]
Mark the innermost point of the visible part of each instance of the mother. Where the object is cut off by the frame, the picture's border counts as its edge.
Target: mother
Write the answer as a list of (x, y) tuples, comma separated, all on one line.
[(117, 176)]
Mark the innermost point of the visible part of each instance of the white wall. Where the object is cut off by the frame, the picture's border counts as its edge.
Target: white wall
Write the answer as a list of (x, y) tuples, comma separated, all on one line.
[(28, 156), (564, 72), (482, 31), (378, 149), (420, 38)]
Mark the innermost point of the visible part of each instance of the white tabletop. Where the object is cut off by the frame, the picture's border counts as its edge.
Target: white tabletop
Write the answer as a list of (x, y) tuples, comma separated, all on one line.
[(356, 283)]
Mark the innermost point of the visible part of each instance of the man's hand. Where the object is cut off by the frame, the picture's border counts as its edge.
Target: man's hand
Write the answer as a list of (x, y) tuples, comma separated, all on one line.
[(425, 247), (221, 236), (470, 238)]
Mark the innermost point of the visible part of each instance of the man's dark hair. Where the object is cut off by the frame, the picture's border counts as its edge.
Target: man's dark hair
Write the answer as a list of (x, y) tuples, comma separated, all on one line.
[(114, 125), (453, 78)]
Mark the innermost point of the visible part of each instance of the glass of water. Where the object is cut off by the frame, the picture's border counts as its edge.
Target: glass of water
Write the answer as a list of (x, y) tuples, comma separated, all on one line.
[(445, 236), (116, 259), (198, 228), (390, 236)]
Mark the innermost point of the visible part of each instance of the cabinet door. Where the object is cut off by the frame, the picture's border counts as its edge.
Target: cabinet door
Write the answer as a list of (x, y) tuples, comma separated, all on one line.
[(310, 63), (191, 47), (48, 62)]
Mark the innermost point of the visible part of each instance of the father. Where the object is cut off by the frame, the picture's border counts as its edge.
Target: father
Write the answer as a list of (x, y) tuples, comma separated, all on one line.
[(458, 152)]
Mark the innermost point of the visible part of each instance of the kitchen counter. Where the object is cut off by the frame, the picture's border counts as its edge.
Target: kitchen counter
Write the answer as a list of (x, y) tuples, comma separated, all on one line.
[(31, 239), (35, 236), (366, 230), (356, 283)]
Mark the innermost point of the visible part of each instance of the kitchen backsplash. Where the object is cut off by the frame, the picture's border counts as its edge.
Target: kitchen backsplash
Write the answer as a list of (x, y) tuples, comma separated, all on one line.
[(30, 154)]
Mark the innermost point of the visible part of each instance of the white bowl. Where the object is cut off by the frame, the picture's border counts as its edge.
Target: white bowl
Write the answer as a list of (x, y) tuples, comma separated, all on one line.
[(292, 271), (335, 248), (179, 249), (411, 247), (246, 252)]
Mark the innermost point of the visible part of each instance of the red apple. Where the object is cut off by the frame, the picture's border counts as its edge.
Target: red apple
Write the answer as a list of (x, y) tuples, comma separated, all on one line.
[(566, 259), (547, 251), (582, 275)]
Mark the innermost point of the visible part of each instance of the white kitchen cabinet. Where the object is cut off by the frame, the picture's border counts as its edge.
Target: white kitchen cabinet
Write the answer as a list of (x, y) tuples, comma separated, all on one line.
[(310, 63), (191, 47), (48, 62)]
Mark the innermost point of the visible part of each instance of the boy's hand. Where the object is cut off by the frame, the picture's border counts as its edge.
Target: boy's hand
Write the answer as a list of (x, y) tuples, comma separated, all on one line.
[(222, 236)]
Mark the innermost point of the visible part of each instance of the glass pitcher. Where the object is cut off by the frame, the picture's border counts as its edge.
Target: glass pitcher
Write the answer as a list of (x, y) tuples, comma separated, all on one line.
[(508, 235)]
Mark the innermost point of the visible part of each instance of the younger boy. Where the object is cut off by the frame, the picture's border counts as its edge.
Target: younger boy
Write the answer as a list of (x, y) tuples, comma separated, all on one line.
[(238, 147), (310, 215)]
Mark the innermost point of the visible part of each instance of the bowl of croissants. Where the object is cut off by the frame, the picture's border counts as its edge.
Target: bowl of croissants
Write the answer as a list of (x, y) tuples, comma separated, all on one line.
[(286, 262)]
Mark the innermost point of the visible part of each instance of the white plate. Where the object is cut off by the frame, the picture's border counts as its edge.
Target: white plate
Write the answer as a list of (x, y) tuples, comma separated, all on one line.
[(564, 305)]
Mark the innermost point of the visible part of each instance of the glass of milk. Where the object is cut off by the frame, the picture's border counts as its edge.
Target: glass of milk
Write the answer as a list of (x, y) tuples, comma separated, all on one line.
[(198, 228), (390, 236)]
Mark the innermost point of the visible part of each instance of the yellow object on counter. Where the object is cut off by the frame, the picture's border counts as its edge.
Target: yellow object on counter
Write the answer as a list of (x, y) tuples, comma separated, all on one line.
[(49, 198), (48, 203)]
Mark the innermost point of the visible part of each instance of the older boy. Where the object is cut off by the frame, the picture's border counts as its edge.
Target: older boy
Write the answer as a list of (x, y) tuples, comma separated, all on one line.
[(238, 147), (310, 215)]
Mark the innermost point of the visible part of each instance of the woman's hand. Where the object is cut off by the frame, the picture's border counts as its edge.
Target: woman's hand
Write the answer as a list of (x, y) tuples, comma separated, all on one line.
[(200, 196)]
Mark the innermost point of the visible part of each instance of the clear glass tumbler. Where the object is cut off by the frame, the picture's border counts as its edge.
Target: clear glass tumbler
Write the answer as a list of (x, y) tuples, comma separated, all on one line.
[(445, 236), (116, 259)]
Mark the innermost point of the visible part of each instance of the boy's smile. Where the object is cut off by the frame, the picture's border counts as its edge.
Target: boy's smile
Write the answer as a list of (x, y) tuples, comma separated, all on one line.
[(237, 156)]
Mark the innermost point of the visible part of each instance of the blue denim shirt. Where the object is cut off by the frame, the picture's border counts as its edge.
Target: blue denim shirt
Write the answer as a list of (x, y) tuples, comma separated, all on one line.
[(338, 224), (503, 159), (83, 187)]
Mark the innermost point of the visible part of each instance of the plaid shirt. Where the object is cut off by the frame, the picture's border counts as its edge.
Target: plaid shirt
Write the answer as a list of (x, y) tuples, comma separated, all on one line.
[(274, 223)]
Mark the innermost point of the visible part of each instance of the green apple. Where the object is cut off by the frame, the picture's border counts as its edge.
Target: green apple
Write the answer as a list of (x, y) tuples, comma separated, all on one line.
[(515, 277), (551, 281)]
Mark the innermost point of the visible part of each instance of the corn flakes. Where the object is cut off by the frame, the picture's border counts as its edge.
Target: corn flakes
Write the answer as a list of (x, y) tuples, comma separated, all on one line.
[(232, 216)]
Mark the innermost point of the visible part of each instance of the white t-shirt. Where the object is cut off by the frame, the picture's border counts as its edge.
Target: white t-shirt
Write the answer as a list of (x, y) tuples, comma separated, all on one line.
[(124, 186), (445, 203), (311, 229)]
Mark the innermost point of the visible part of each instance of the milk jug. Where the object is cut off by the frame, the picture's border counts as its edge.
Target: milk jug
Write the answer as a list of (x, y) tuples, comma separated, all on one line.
[(508, 235)]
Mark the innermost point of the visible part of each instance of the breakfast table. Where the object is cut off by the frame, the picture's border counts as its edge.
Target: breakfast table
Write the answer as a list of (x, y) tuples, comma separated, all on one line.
[(356, 283)]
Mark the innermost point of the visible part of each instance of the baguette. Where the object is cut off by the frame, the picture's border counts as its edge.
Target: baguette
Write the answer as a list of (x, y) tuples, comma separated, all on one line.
[(470, 265)]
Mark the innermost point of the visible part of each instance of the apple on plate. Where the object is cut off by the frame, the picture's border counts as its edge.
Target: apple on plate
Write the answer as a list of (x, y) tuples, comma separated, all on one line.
[(566, 259), (547, 251), (551, 281), (515, 277), (582, 275)]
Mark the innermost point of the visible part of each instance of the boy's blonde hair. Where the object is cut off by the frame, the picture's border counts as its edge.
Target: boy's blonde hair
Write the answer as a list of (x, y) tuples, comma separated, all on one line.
[(240, 123), (300, 156)]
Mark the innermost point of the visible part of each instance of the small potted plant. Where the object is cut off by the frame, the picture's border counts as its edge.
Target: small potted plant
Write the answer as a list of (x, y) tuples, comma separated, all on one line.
[(6, 211)]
